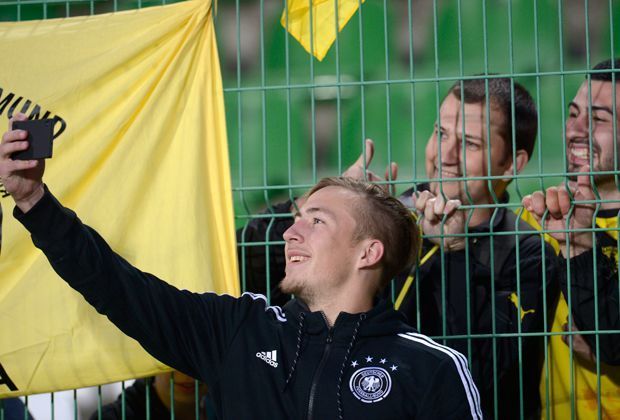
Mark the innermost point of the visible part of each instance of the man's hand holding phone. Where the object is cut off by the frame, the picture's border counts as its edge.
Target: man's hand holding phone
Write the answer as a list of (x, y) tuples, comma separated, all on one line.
[(23, 179), (40, 137)]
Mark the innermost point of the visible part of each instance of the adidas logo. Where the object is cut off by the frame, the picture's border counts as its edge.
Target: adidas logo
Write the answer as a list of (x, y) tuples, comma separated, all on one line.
[(270, 357)]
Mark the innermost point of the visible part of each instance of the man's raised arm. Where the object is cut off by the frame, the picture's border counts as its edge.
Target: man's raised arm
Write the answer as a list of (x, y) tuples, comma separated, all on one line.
[(188, 331)]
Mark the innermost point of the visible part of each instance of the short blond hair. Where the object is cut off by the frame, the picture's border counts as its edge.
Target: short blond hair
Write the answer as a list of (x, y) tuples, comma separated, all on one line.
[(383, 217)]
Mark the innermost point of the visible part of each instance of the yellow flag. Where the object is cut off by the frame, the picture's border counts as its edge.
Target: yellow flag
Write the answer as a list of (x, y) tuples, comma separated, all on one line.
[(140, 154), (322, 19)]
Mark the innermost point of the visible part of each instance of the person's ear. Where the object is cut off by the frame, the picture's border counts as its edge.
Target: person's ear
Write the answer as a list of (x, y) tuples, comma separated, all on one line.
[(517, 163), (372, 253)]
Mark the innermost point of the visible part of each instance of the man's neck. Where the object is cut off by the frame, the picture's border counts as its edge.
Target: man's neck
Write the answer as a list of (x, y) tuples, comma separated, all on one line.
[(331, 307), (480, 216)]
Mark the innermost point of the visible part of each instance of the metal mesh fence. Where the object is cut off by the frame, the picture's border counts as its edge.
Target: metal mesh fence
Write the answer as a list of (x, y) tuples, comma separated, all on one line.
[(293, 119)]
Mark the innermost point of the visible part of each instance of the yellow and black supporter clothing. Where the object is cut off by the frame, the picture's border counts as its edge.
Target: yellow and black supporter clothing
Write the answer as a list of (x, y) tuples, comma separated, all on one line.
[(475, 293), (580, 398)]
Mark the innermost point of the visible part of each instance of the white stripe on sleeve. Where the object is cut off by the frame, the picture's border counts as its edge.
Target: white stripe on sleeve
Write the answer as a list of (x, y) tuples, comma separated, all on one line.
[(461, 365), (276, 309)]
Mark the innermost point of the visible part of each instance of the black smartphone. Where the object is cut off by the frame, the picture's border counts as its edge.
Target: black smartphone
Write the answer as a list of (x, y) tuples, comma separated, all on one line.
[(40, 136)]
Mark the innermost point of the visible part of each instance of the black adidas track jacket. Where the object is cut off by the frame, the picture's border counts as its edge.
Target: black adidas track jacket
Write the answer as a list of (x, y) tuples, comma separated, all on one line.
[(260, 361)]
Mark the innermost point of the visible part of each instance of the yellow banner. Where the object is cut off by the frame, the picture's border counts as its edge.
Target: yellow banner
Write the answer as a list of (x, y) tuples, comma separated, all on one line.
[(315, 27), (140, 154)]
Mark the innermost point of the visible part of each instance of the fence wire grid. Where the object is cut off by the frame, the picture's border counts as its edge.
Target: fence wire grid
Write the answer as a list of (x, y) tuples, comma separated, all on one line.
[(292, 120)]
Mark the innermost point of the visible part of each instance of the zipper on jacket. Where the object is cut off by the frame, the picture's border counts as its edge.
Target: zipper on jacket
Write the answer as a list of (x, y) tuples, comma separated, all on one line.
[(319, 370)]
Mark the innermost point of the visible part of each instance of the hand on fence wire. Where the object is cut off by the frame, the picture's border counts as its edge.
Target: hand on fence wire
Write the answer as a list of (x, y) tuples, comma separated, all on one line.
[(23, 179), (441, 217), (555, 211), (359, 170)]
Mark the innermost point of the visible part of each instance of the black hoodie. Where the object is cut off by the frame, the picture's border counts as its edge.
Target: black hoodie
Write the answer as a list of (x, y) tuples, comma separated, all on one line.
[(262, 361)]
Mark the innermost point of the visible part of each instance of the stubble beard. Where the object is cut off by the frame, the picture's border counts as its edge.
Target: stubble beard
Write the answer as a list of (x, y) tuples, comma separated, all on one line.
[(451, 189), (599, 180), (298, 288)]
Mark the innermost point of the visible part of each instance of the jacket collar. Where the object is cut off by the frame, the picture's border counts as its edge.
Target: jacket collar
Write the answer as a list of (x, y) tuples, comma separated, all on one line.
[(381, 320)]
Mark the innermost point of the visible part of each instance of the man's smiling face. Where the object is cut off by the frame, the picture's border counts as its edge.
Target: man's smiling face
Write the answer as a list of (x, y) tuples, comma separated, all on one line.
[(461, 134), (579, 148), (321, 247)]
